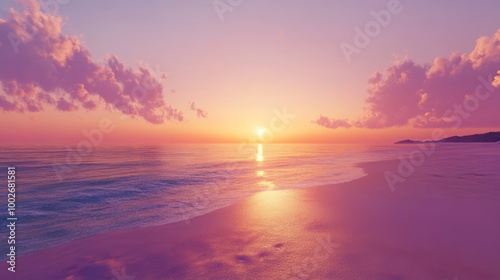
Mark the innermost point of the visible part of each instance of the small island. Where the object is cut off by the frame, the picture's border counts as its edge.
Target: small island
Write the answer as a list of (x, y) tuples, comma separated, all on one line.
[(489, 137)]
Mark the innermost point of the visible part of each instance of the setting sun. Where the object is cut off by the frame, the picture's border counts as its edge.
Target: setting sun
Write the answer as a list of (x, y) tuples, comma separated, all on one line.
[(260, 132)]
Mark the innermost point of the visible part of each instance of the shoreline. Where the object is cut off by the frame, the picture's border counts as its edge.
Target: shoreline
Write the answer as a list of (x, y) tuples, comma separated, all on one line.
[(353, 230), (198, 211)]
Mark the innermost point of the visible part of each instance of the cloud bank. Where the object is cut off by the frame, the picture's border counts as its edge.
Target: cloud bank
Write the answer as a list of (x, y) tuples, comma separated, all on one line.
[(40, 67), (461, 90)]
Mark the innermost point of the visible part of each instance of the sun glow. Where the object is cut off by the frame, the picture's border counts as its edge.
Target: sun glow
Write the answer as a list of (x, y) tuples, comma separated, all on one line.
[(260, 153), (260, 132)]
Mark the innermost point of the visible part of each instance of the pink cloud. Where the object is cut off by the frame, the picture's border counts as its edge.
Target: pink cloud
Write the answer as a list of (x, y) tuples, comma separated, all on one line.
[(42, 67), (460, 90), (496, 82), (331, 123), (199, 112)]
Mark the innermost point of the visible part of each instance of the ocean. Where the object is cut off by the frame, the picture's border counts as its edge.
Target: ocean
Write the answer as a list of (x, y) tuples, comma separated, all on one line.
[(63, 196)]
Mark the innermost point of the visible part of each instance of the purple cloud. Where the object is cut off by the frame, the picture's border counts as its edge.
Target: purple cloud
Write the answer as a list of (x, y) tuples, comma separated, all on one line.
[(199, 112), (42, 67), (460, 90), (331, 123)]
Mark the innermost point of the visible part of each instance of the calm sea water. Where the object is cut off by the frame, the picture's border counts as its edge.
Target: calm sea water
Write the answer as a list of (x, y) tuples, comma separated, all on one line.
[(115, 188)]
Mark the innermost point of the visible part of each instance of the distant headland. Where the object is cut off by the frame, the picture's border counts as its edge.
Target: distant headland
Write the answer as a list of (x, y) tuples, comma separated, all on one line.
[(475, 138)]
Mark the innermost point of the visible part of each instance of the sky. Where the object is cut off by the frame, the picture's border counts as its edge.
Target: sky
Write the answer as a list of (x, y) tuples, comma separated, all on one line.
[(222, 71)]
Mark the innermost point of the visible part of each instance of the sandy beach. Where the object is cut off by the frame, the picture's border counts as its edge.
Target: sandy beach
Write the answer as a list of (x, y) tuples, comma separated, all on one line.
[(354, 230)]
